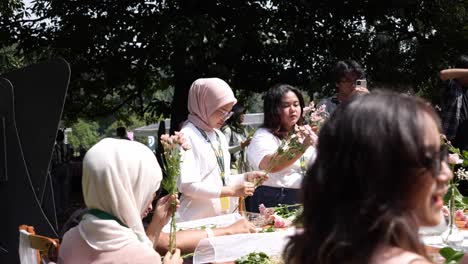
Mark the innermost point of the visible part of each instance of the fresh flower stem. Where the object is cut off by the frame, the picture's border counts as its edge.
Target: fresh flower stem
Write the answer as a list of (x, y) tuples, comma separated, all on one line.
[(452, 203), (173, 147), (173, 230)]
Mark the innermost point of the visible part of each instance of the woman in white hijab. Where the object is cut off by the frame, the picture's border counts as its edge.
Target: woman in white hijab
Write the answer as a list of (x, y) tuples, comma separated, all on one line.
[(120, 178)]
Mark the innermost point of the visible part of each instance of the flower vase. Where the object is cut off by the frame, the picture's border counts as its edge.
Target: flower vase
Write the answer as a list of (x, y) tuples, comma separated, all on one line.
[(452, 236)]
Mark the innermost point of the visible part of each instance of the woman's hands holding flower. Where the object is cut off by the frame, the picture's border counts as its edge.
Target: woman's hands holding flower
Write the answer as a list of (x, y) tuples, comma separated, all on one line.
[(175, 258), (257, 177), (244, 189), (245, 143), (306, 135), (163, 210)]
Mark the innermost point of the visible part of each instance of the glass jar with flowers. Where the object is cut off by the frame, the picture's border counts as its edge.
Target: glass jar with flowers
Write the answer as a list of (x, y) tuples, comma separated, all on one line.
[(454, 199)]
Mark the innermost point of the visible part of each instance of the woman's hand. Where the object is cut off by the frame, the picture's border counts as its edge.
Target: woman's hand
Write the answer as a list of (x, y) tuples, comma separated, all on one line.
[(245, 143), (173, 258), (163, 210), (360, 90), (307, 135), (243, 189), (257, 177), (240, 227)]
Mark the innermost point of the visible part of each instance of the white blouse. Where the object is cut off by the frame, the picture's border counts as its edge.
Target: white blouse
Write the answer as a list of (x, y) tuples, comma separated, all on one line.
[(265, 143), (200, 177)]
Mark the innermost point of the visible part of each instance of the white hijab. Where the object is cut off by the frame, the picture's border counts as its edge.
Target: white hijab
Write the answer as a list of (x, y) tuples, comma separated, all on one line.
[(119, 178)]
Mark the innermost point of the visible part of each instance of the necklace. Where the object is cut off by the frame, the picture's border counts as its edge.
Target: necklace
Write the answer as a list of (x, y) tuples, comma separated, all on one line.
[(218, 152)]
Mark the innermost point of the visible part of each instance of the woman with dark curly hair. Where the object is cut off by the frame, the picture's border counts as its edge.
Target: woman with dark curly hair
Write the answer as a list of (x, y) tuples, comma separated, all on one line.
[(380, 173)]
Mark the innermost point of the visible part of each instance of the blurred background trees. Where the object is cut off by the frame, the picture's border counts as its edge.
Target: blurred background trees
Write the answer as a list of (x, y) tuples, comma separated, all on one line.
[(139, 58)]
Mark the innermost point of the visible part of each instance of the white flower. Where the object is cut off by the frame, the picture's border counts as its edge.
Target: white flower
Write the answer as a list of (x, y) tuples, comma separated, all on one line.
[(462, 174)]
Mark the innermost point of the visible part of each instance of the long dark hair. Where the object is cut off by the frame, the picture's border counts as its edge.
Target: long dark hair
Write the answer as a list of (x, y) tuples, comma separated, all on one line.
[(234, 121), (356, 194), (272, 104)]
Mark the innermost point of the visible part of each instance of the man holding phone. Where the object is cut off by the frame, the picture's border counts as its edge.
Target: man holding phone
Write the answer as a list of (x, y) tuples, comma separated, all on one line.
[(455, 103), (349, 78)]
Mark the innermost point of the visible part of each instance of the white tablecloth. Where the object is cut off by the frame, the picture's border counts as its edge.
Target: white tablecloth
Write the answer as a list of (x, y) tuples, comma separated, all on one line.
[(230, 248)]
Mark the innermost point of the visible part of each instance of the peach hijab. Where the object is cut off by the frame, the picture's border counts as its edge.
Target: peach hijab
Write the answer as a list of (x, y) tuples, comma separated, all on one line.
[(206, 95), (119, 178)]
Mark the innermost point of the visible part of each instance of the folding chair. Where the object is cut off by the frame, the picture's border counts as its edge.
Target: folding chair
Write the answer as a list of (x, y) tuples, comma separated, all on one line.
[(36, 249)]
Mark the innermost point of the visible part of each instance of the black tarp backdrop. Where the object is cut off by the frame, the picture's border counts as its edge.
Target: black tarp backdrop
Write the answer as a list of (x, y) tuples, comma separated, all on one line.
[(31, 104)]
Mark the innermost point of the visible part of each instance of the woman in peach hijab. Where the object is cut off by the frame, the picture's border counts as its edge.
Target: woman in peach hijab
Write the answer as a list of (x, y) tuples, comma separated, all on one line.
[(120, 178), (205, 181)]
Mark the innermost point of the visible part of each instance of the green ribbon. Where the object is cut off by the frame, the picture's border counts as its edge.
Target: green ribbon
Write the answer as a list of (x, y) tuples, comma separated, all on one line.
[(218, 153)]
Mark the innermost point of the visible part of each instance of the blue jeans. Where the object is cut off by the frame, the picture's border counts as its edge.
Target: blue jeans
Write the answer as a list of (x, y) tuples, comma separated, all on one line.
[(271, 197)]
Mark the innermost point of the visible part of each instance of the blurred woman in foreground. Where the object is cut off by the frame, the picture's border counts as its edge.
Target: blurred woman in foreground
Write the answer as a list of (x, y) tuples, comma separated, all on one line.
[(380, 173)]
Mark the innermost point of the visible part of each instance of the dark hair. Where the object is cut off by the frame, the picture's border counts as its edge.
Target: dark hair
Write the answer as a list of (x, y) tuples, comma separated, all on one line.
[(355, 195), (462, 62), (343, 68), (237, 111), (272, 104), (60, 136), (121, 133)]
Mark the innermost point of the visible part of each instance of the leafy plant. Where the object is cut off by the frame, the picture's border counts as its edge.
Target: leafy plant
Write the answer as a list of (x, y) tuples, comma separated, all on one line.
[(285, 211), (451, 255)]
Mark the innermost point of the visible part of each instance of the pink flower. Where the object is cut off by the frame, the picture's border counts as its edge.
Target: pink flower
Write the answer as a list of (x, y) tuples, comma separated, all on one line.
[(269, 212), (279, 222), (315, 117), (322, 109), (454, 159), (186, 146), (460, 216), (261, 209), (164, 137)]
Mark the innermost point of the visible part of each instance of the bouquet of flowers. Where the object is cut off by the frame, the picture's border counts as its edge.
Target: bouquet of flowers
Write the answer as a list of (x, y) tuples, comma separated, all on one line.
[(315, 117), (173, 147)]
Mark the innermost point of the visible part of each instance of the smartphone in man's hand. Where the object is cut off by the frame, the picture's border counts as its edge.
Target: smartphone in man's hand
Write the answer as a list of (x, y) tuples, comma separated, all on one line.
[(361, 83)]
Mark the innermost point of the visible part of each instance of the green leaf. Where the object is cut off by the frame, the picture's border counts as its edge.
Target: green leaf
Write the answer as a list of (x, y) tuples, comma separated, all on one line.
[(451, 255), (447, 252)]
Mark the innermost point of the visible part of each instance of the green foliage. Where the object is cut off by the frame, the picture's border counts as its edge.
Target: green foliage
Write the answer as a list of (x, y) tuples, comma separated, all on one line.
[(285, 211), (172, 169), (269, 229), (254, 258), (431, 90), (121, 54), (131, 121), (460, 201), (451, 255), (83, 134), (9, 59)]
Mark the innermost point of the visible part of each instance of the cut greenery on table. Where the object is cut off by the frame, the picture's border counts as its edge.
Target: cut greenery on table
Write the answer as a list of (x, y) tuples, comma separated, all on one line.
[(254, 258)]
